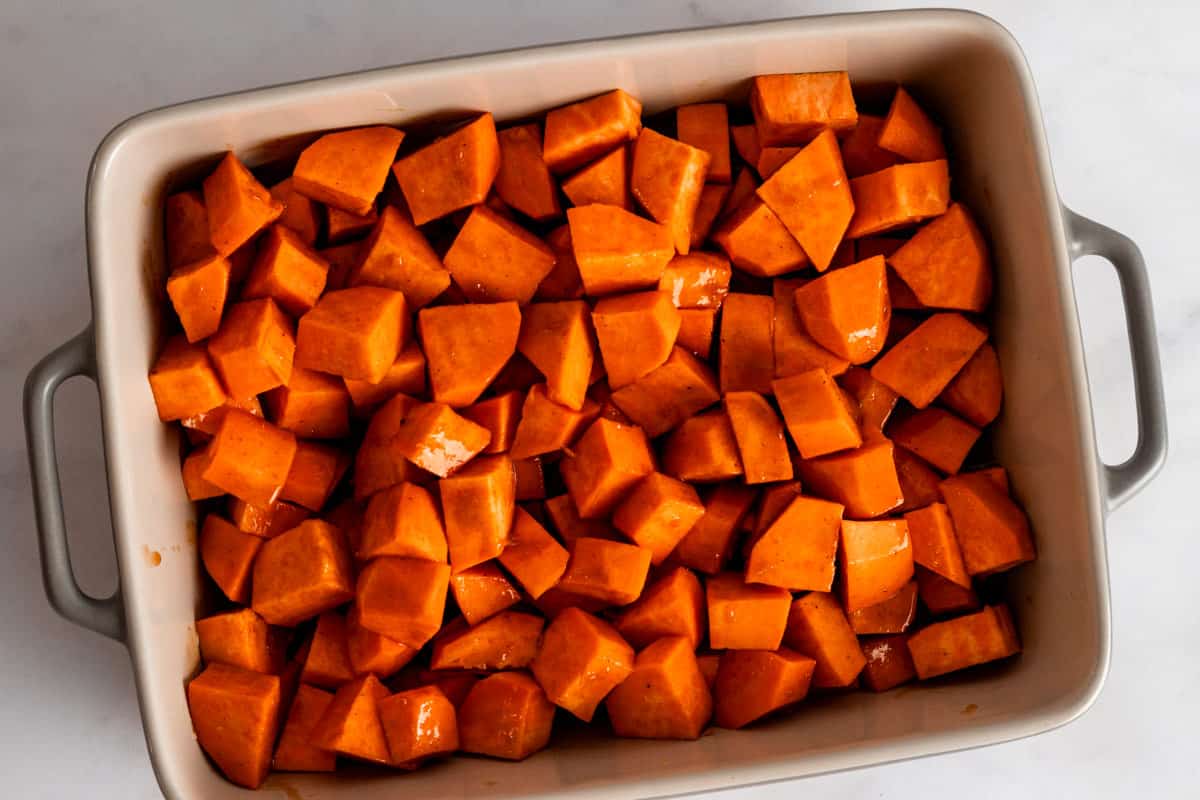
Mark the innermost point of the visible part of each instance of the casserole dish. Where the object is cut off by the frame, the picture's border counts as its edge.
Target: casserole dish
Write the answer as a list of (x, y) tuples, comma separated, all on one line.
[(971, 74)]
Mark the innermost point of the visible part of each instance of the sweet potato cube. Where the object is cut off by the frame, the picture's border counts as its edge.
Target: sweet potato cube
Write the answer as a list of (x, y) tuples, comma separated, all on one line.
[(406, 375), (301, 214), (570, 526), (531, 479), (986, 635), (946, 263), (482, 591), (533, 556), (934, 544), (706, 126), (892, 615), (977, 390), (507, 640), (249, 458), (757, 242), (581, 659), (875, 561), (708, 545), (795, 350), (997, 475), (494, 259), (898, 196), (790, 109), (523, 181), (499, 415), (316, 470), (744, 616), (241, 639), (747, 348), (420, 723), (696, 280), (667, 178), (664, 697), (847, 311), (466, 346), (863, 480), (478, 503), (709, 663), (266, 521), (325, 658), (918, 481), (301, 573), (770, 159), (605, 181), (372, 653), (238, 205), (992, 530), (811, 196), (184, 382), (745, 141), (556, 339), (453, 172), (875, 401), (752, 683), (198, 291), (616, 250), (347, 169), (612, 572), (708, 208), (818, 628), (861, 153), (228, 555), (342, 260), (607, 461), (286, 270), (742, 191), (403, 598), (760, 439), (185, 229), (889, 664), (923, 363), (665, 398), (909, 132), (312, 404), (438, 440), (235, 714), (583, 131), (797, 549), (563, 281), (355, 333), (505, 716), (703, 449), (295, 752), (403, 520), (936, 436), (942, 596), (397, 256), (657, 514), (546, 426), (817, 414), (350, 725), (254, 347), (341, 226), (671, 606), (636, 333)]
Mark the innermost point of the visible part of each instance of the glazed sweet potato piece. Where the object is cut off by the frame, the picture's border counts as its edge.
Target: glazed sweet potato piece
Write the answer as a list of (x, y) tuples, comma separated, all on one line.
[(744, 616), (942, 647), (228, 555), (378, 465), (406, 375), (889, 664), (936, 436), (909, 132), (977, 391), (745, 142), (453, 172), (607, 461), (666, 179), (696, 280), (295, 752), (342, 259), (350, 725), (997, 475), (500, 416), (581, 659), (795, 350), (301, 573), (505, 716), (616, 250), (482, 591), (757, 242), (657, 513), (184, 382), (790, 109), (708, 208), (706, 126), (797, 549), (920, 365), (774, 500), (992, 530), (266, 521), (935, 545), (760, 439), (533, 556), (507, 640), (946, 263), (254, 347), (663, 399), (478, 502), (235, 714), (898, 196), (570, 526), (664, 697), (287, 270), (703, 449), (671, 606), (605, 180), (545, 426), (770, 159), (494, 259), (198, 291), (347, 169), (918, 481), (325, 658), (185, 229), (707, 546), (875, 401), (466, 347), (942, 596), (238, 205), (523, 181), (249, 458), (612, 572), (636, 333), (863, 480), (747, 360), (556, 339), (397, 256), (583, 131), (355, 333), (341, 226), (418, 724), (315, 472), (752, 683), (818, 628), (372, 653), (193, 476), (847, 311), (311, 404), (817, 414), (861, 153), (241, 639), (402, 598), (892, 615), (875, 561), (403, 520), (301, 214), (438, 440)]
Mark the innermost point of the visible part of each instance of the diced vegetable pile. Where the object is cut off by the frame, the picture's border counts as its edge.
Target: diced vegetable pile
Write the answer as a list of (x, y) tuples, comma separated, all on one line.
[(669, 458)]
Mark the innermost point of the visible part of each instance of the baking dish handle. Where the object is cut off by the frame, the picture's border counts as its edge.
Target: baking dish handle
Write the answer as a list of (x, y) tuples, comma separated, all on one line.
[(1124, 480), (102, 615)]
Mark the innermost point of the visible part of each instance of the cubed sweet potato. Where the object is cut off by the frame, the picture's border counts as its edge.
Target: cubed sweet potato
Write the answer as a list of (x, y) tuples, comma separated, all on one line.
[(923, 363), (507, 640), (612, 572), (747, 361), (581, 659), (606, 463), (242, 639), (350, 725), (817, 414), (708, 208), (373, 653), (185, 229), (495, 260), (657, 513), (909, 132), (666, 179), (745, 616), (254, 347), (616, 250), (795, 350), (861, 153), (942, 596), (406, 375), (760, 438), (556, 339), (790, 109), (533, 556), (936, 436), (605, 180), (295, 751), (889, 664), (466, 346), (238, 205), (482, 591), (797, 549), (198, 291), (524, 182), (403, 598), (184, 382), (301, 573), (752, 683), (892, 615), (863, 480), (228, 555), (325, 657), (875, 401), (583, 131), (673, 605), (946, 263), (478, 503), (977, 391), (249, 458), (315, 472), (347, 169), (703, 449), (707, 546), (898, 196), (992, 530), (955, 644), (875, 561), (301, 214), (546, 426), (355, 333), (636, 333), (505, 716), (397, 256), (664, 697), (311, 404), (287, 270), (403, 520), (663, 399), (419, 724), (454, 172), (235, 714), (817, 627), (848, 311), (757, 242)]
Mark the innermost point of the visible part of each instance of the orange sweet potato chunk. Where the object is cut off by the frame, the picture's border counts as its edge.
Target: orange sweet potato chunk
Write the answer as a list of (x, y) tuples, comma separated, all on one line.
[(482, 591), (747, 361), (605, 180), (875, 401), (570, 526), (523, 181), (419, 724), (898, 196), (500, 416), (790, 109), (355, 333), (662, 400), (478, 503), (760, 439), (708, 545), (712, 201), (184, 382), (198, 291), (228, 556), (750, 684), (875, 561), (942, 596), (341, 226), (316, 470), (371, 653), (311, 404), (703, 449), (909, 132), (770, 159), (757, 242), (235, 713), (466, 346), (350, 725), (238, 205), (992, 530), (505, 716), (923, 363), (616, 250), (935, 545), (556, 339), (745, 616), (193, 476), (817, 627), (936, 436), (606, 463), (892, 615), (946, 263), (287, 270), (861, 153), (918, 481), (745, 142), (397, 256), (697, 280), (325, 658), (403, 520), (847, 311), (977, 391), (664, 697), (438, 440), (583, 131), (254, 347), (955, 644), (242, 639), (249, 458), (301, 573), (706, 126), (403, 598), (546, 426), (611, 572), (266, 521), (494, 259), (863, 480), (295, 751), (817, 414), (581, 659), (657, 514), (795, 350), (533, 556), (636, 333), (889, 664), (507, 640), (797, 549), (185, 229), (667, 178), (671, 606), (343, 259), (301, 214), (406, 375), (453, 172), (347, 169)]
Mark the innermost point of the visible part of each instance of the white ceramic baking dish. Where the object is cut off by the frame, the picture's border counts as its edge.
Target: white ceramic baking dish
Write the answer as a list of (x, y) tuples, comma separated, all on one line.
[(965, 66)]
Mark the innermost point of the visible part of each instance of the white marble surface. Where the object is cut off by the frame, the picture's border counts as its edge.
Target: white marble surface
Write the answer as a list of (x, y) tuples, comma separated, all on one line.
[(1120, 87)]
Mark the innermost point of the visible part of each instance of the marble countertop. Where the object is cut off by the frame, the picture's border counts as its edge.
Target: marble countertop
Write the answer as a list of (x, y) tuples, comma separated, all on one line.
[(1119, 85)]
